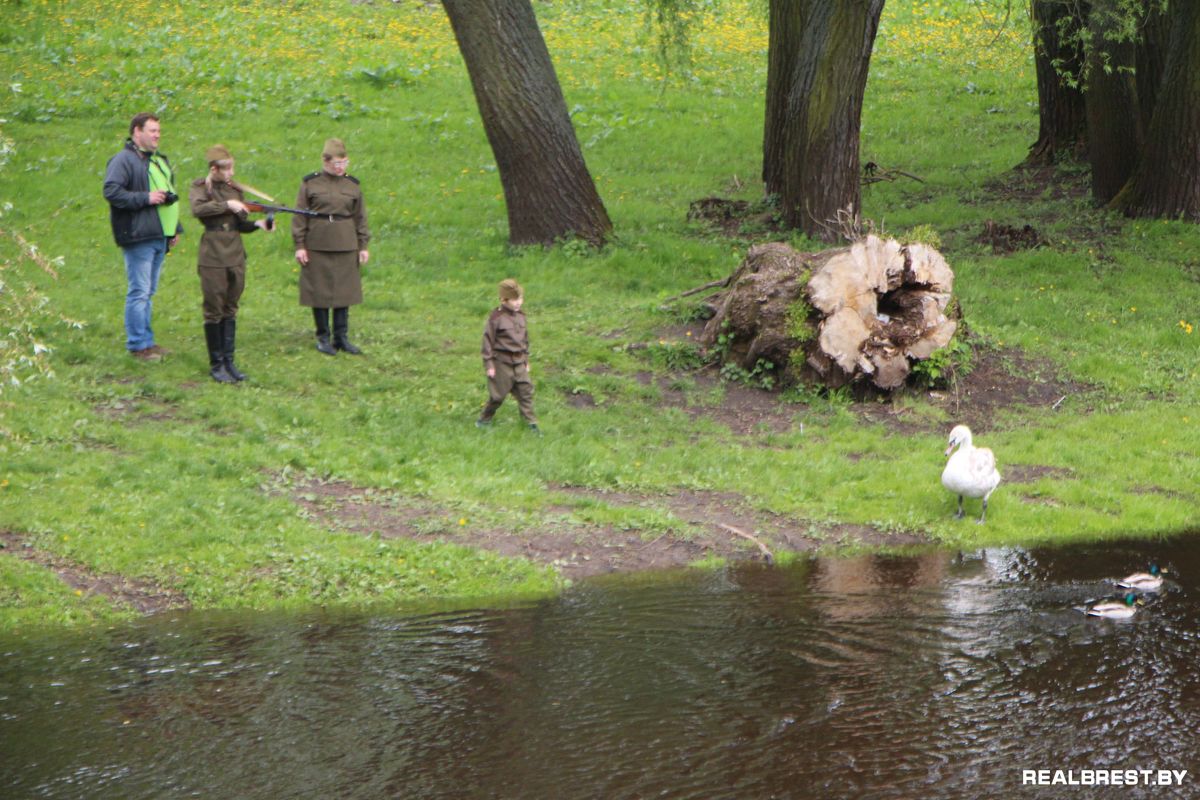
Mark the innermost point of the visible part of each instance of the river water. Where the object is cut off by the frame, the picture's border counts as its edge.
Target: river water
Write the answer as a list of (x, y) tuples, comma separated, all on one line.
[(933, 675)]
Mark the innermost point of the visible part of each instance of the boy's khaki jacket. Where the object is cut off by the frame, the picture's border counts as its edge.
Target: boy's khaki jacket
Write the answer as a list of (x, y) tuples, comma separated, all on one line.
[(505, 337)]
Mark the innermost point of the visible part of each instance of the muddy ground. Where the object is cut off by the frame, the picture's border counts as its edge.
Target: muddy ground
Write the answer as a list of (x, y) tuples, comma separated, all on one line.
[(143, 596), (715, 524)]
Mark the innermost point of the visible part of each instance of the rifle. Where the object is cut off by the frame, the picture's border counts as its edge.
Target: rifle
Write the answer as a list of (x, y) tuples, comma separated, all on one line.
[(271, 211)]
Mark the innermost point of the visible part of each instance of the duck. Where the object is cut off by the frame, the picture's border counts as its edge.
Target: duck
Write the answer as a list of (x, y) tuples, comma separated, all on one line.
[(970, 472), (1115, 609), (1150, 581)]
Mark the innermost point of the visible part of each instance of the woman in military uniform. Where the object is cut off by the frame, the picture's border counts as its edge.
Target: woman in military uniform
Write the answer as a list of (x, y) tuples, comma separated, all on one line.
[(216, 200), (331, 248)]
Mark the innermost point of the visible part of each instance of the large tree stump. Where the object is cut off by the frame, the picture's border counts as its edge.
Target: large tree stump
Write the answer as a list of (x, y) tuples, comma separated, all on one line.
[(858, 313)]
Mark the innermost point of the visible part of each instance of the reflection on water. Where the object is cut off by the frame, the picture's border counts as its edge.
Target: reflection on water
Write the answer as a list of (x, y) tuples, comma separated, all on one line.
[(940, 675)]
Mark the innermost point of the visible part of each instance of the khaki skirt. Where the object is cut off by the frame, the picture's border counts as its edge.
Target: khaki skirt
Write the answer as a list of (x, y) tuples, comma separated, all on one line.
[(331, 280)]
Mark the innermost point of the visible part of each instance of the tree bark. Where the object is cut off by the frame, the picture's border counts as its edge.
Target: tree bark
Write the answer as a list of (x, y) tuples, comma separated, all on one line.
[(548, 190), (1114, 117), (1166, 182), (785, 24), (1058, 63), (816, 77), (1152, 60)]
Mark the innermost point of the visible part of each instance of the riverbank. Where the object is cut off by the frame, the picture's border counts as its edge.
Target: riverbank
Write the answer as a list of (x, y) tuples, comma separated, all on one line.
[(363, 480)]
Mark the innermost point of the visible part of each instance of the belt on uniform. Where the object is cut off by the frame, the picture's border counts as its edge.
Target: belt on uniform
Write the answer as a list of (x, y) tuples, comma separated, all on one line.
[(224, 226)]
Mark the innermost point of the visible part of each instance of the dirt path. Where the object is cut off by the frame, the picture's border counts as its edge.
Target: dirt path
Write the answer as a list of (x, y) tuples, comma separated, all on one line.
[(142, 596), (579, 551)]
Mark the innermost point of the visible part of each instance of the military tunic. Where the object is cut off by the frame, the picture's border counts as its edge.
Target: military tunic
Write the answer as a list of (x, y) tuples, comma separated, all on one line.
[(506, 349), (221, 261), (332, 278)]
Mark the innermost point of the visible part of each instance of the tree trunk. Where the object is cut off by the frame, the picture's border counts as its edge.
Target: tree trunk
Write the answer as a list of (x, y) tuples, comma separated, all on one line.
[(1058, 63), (816, 76), (860, 313), (547, 188), (785, 24), (1152, 60), (1167, 180), (1113, 115)]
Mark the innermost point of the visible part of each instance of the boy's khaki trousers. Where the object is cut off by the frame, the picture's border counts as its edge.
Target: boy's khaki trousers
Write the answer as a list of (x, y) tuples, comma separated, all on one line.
[(510, 378)]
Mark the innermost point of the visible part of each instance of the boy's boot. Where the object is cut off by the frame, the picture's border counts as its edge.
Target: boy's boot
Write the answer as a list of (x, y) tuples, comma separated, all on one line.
[(489, 410), (321, 318), (341, 326), (216, 353), (229, 337)]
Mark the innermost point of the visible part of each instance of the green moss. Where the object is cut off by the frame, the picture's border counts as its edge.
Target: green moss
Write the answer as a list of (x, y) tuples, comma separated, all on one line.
[(922, 234), (799, 314)]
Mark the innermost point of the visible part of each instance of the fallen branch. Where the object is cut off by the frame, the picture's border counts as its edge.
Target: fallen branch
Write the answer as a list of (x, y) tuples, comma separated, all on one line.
[(873, 173), (739, 532), (697, 290)]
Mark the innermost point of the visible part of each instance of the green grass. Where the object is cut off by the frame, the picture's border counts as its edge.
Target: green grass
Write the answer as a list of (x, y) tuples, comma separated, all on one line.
[(155, 471)]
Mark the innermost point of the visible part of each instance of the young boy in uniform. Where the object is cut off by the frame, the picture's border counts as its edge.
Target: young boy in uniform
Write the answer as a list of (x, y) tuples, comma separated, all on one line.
[(506, 357)]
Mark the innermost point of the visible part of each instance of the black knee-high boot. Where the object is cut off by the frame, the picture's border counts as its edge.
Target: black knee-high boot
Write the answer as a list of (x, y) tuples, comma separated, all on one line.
[(229, 337), (321, 318), (216, 353), (341, 326)]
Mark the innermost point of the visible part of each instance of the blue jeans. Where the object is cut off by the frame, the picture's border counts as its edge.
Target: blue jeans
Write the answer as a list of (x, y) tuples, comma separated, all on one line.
[(143, 264)]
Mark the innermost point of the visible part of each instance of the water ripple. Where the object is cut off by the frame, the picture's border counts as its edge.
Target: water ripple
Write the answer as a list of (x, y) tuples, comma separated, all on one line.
[(939, 675)]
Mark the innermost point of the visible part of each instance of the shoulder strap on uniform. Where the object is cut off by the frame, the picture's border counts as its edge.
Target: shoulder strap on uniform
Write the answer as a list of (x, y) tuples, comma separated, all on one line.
[(351, 177), (311, 175)]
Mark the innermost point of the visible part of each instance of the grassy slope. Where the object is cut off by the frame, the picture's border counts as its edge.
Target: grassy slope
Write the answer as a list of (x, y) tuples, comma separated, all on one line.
[(186, 497)]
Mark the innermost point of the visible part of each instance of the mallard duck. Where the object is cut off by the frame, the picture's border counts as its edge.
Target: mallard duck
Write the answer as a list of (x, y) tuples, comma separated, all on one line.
[(1144, 581), (970, 472), (1116, 609)]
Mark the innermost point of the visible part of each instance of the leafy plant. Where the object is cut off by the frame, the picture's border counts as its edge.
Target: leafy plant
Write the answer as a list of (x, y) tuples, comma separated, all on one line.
[(382, 77), (725, 339), (944, 365), (677, 356), (762, 376)]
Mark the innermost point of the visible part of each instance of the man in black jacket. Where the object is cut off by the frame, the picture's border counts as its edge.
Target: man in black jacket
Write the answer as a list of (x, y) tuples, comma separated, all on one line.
[(139, 186)]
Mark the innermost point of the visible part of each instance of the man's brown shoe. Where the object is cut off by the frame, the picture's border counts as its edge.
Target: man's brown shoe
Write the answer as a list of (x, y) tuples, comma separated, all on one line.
[(146, 355), (162, 351)]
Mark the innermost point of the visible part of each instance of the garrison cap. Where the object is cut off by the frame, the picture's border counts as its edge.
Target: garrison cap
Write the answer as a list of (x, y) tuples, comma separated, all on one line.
[(218, 152), (334, 148), (510, 289)]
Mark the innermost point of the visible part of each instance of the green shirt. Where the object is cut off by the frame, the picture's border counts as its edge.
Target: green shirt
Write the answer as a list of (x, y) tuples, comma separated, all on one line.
[(163, 179)]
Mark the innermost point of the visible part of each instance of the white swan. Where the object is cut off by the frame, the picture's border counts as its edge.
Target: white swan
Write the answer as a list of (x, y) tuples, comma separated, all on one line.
[(971, 472)]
